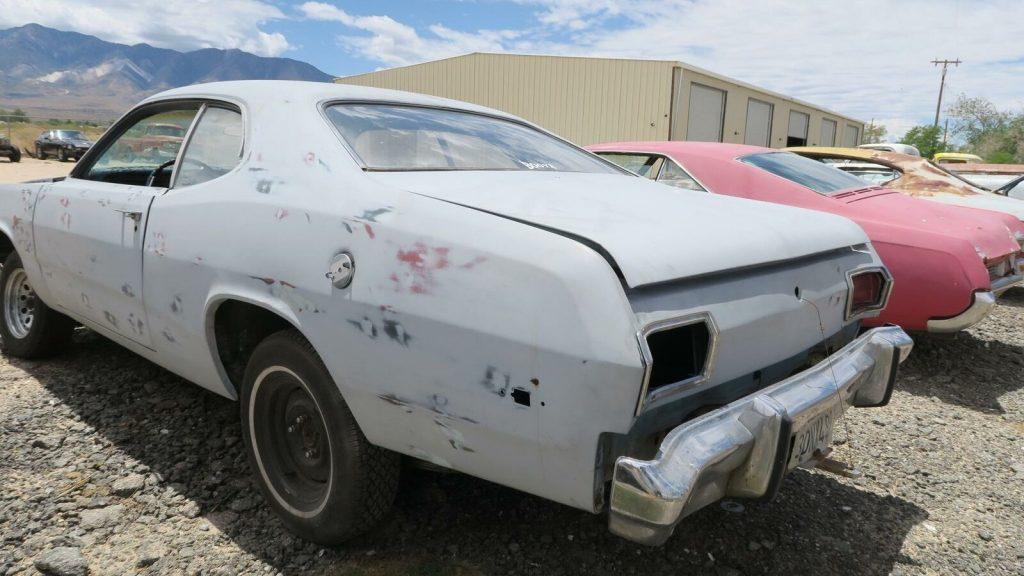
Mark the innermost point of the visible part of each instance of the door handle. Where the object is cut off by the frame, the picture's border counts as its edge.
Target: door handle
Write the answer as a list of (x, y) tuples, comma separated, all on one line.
[(133, 214)]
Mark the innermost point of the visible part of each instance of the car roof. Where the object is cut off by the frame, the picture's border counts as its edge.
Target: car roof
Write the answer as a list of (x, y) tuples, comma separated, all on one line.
[(254, 93), (716, 150)]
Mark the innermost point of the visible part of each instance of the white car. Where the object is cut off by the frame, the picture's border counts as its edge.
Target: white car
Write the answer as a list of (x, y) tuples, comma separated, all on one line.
[(375, 274)]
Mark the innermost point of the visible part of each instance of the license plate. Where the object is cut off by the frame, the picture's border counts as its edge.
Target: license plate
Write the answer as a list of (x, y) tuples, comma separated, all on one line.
[(814, 436)]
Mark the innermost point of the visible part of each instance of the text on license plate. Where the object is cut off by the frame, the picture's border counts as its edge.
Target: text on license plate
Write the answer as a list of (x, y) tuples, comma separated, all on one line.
[(813, 436)]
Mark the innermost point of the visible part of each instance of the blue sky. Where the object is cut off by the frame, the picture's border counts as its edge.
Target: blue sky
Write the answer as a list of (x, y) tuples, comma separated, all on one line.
[(866, 58)]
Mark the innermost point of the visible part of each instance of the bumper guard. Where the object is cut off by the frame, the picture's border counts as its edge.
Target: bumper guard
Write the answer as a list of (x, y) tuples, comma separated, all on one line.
[(743, 449)]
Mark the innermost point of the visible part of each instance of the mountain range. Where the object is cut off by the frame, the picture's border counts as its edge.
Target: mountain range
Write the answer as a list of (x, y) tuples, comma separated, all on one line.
[(56, 74)]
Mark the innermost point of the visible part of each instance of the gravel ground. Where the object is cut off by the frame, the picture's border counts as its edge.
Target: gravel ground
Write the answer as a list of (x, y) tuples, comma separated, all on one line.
[(111, 465)]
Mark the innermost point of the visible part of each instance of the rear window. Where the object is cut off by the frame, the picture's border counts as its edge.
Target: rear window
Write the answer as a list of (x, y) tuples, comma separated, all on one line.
[(821, 178), (388, 137)]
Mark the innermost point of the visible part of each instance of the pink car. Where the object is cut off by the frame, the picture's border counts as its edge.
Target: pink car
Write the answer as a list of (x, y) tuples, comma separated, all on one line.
[(948, 262)]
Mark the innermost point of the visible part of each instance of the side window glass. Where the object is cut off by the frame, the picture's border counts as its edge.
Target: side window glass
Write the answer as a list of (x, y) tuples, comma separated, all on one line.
[(214, 149), (147, 145), (673, 175)]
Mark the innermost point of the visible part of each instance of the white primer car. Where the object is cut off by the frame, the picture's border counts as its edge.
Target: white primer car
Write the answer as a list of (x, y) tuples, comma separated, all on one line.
[(375, 274)]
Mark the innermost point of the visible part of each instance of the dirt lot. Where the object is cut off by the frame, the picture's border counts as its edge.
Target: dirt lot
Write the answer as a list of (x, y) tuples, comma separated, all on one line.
[(109, 462), (32, 169)]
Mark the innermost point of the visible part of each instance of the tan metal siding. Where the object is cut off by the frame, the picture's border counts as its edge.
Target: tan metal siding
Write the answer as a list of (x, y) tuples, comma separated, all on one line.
[(736, 110), (590, 100), (586, 100)]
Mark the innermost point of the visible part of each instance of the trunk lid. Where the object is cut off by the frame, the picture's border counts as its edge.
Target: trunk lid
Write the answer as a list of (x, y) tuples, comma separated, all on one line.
[(653, 233)]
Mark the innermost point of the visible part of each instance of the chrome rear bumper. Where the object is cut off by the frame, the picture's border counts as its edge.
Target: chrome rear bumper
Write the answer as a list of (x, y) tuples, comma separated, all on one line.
[(742, 450), (981, 305)]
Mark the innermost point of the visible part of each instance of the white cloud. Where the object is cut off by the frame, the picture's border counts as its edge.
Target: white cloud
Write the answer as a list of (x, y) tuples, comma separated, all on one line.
[(177, 24), (392, 43), (868, 59)]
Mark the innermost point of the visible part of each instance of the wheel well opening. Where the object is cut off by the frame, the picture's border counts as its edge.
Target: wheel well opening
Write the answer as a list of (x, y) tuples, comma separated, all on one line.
[(238, 328), (6, 247)]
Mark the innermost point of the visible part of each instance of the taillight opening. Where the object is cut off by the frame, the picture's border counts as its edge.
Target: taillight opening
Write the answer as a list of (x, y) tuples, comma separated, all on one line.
[(869, 292), (678, 354)]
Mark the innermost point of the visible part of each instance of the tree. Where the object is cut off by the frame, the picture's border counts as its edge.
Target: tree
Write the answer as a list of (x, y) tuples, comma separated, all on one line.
[(874, 133), (996, 135), (926, 138)]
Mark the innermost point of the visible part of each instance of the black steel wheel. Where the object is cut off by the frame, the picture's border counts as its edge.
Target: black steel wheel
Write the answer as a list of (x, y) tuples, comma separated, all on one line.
[(312, 462)]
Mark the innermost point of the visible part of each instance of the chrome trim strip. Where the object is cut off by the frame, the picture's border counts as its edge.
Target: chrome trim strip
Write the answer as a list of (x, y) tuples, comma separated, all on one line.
[(981, 305), (886, 291), (648, 360)]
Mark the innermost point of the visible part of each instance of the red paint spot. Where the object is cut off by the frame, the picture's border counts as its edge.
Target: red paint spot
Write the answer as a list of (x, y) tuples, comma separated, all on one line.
[(64, 201), (15, 221), (310, 158), (369, 231), (286, 284), (281, 214), (422, 261)]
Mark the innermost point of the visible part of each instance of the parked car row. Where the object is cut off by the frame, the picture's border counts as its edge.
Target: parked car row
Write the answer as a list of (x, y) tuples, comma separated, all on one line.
[(377, 275)]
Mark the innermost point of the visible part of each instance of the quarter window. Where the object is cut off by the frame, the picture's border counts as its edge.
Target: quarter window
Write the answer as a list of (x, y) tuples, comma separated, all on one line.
[(214, 149), (673, 175), (645, 165)]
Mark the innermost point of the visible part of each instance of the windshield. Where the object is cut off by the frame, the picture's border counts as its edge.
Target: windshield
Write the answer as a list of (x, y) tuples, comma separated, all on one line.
[(388, 137), (817, 176), (70, 134)]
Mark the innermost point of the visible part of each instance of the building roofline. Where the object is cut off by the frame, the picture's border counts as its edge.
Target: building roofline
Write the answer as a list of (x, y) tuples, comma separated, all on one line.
[(679, 63)]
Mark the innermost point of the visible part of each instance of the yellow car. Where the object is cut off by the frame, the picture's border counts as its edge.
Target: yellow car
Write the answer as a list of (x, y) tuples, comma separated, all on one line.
[(956, 158)]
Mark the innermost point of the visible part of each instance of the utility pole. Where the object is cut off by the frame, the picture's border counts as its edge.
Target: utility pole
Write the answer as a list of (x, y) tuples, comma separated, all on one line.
[(942, 84)]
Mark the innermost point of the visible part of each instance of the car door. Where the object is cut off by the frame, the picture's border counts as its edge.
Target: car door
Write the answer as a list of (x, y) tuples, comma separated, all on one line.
[(90, 228)]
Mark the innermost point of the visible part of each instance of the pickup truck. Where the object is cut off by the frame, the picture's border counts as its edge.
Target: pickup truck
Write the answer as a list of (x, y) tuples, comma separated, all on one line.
[(377, 275)]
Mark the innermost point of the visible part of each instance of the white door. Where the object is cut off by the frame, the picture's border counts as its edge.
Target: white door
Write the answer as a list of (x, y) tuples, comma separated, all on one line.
[(797, 134), (89, 228), (828, 132), (851, 136), (759, 123), (706, 115)]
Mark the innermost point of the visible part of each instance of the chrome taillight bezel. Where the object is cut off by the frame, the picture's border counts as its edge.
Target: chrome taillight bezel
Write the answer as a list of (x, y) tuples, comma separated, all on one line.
[(885, 292)]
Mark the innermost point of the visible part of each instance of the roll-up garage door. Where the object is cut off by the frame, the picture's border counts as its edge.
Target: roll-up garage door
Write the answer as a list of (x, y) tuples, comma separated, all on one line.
[(828, 132), (707, 114), (851, 136), (759, 123), (798, 122)]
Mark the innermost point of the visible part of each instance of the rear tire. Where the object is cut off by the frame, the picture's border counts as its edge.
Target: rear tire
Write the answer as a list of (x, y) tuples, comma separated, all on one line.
[(15, 155), (28, 327), (311, 460), (62, 155)]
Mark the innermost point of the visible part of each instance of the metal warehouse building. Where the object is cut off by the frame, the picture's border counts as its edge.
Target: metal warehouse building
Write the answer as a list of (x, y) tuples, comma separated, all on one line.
[(590, 100)]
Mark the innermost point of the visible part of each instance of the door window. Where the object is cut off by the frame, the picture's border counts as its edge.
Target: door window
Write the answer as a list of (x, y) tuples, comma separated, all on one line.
[(673, 175), (214, 149), (148, 147)]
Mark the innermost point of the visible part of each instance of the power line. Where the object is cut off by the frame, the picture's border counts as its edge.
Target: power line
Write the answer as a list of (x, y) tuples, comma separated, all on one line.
[(942, 83)]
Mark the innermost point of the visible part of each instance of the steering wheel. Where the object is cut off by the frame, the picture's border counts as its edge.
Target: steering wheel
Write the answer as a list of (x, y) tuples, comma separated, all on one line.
[(156, 171)]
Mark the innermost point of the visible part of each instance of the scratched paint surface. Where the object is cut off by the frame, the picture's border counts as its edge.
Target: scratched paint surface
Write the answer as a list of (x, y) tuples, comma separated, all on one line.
[(466, 338)]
